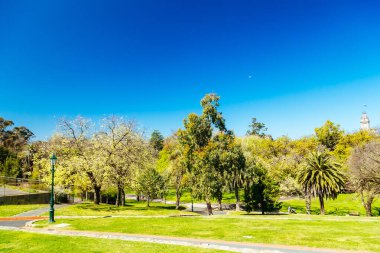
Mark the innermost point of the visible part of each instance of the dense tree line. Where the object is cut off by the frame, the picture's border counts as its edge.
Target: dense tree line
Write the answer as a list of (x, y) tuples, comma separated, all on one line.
[(204, 158), (15, 149)]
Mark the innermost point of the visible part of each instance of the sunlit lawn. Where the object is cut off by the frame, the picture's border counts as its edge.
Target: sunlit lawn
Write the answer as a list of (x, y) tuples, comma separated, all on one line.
[(12, 241), (352, 233), (345, 204), (10, 210), (132, 208)]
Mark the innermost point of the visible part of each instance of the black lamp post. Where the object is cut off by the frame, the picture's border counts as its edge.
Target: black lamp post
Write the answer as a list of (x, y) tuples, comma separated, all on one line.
[(53, 160)]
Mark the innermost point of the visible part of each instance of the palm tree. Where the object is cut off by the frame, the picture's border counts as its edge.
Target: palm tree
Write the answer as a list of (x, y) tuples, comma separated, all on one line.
[(321, 177)]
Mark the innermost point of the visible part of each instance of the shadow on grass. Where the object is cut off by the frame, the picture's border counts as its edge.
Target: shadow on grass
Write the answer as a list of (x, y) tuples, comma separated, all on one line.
[(134, 206), (266, 214)]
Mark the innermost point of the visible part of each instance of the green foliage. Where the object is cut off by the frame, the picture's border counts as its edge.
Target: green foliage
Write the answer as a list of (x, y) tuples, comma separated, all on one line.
[(201, 150), (329, 135), (14, 145), (210, 104), (261, 192), (321, 177), (348, 142), (364, 173), (257, 128), (282, 157), (14, 139), (157, 140), (163, 160), (4, 153), (197, 133), (10, 167), (173, 162), (150, 184)]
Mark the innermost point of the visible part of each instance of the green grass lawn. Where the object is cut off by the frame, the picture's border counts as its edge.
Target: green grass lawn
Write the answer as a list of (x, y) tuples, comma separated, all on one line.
[(351, 233), (343, 205), (10, 210), (12, 241), (132, 208)]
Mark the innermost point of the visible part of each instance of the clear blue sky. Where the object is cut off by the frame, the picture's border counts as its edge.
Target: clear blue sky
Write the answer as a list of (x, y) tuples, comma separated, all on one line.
[(292, 64)]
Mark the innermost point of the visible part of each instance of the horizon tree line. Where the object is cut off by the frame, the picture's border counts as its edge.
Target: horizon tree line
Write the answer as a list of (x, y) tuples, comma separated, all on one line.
[(204, 158)]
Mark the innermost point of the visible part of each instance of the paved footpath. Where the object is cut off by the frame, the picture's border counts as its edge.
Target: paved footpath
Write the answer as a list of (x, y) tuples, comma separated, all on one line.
[(20, 220), (210, 244), (40, 211)]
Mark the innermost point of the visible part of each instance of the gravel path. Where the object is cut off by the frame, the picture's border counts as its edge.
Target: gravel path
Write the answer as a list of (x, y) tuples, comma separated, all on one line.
[(217, 244)]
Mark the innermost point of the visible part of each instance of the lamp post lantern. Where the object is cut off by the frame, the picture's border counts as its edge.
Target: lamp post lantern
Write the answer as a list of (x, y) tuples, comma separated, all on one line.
[(53, 160)]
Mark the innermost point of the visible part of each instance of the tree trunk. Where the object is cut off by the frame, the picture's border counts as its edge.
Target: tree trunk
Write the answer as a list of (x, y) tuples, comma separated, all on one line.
[(220, 204), (122, 197), (237, 197), (367, 204), (308, 202), (209, 208), (322, 204), (147, 201), (220, 197), (118, 197), (97, 195), (368, 208), (178, 198)]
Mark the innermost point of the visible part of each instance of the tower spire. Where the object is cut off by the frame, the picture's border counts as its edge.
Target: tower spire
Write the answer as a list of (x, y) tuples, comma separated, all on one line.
[(364, 121)]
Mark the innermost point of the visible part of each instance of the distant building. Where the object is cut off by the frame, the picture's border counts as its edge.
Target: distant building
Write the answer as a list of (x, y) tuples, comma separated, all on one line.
[(364, 122)]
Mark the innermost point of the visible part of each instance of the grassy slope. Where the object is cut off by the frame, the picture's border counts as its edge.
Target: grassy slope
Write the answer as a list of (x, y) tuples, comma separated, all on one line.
[(28, 242), (132, 208), (343, 205), (10, 210), (351, 233)]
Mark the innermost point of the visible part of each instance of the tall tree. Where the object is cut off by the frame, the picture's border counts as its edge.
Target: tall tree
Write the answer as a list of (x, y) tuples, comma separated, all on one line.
[(236, 169), (85, 154), (157, 140), (321, 177), (260, 190), (150, 183), (257, 128), (364, 171), (14, 148), (14, 139), (196, 141), (124, 149), (172, 157)]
